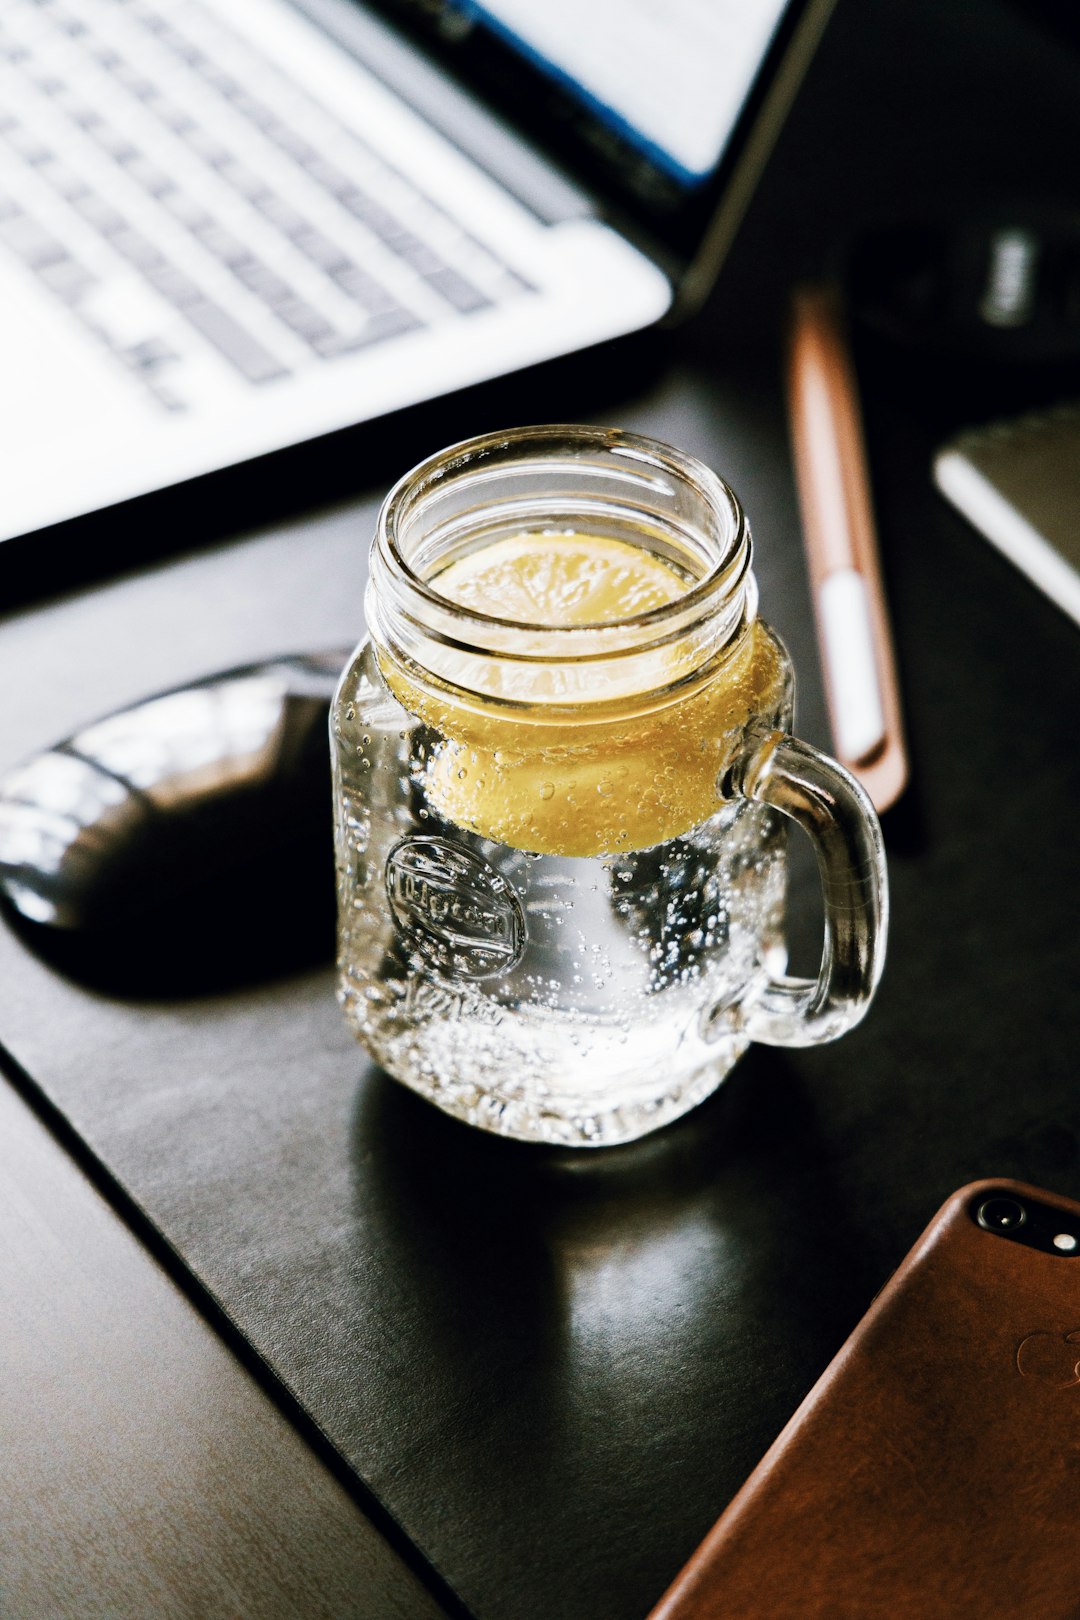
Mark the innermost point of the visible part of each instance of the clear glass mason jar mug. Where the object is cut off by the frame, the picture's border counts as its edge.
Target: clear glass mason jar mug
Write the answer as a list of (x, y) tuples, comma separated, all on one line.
[(560, 848)]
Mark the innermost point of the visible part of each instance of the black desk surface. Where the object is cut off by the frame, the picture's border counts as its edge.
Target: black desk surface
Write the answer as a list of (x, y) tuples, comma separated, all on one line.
[(553, 1370)]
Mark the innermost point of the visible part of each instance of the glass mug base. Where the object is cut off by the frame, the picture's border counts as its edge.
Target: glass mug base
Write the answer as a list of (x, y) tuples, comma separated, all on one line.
[(619, 1107)]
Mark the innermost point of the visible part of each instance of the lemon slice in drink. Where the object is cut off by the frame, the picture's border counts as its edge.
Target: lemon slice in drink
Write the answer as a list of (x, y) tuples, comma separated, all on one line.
[(560, 580), (575, 781)]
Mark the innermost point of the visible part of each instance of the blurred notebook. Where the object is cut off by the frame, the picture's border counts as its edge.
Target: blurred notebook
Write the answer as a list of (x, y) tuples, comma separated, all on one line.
[(227, 226), (1018, 482)]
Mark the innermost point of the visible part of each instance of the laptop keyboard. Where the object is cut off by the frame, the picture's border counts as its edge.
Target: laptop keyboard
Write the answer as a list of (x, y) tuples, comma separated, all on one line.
[(174, 189)]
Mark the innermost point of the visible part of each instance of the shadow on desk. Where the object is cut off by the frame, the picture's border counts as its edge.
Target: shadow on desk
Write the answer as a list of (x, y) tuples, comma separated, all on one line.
[(566, 1321)]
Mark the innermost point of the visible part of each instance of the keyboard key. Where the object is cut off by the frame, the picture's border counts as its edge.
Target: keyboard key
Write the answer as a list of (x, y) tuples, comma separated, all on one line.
[(250, 185), (68, 24), (255, 111), (307, 322), (151, 20), (329, 176), (64, 181), (133, 80), (146, 173), (292, 144), (84, 115), (150, 355), (464, 297), (29, 146), (319, 248), (216, 77), (369, 212), (171, 114), (51, 86), (226, 247), (116, 145), (364, 289), (232, 341), (184, 48), (173, 284), (67, 278), (98, 213), (138, 249), (207, 146), (43, 253), (106, 57), (31, 242), (288, 220), (187, 210), (339, 343), (515, 282), (263, 282), (393, 324), (423, 258)]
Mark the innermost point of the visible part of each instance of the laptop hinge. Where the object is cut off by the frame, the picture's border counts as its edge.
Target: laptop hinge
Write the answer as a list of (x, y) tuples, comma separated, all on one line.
[(493, 145)]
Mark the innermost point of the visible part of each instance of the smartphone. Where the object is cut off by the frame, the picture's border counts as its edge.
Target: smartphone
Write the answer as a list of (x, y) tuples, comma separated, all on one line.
[(933, 1471), (1018, 482)]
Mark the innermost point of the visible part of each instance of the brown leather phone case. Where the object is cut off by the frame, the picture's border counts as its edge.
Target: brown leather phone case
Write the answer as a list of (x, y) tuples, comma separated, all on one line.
[(934, 1469)]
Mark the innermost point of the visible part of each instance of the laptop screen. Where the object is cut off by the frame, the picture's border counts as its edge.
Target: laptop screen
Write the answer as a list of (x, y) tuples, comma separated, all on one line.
[(652, 103), (670, 80)]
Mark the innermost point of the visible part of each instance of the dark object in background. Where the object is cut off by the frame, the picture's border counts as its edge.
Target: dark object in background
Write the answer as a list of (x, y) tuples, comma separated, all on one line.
[(1002, 288), (157, 848), (981, 320), (1059, 17), (930, 1471)]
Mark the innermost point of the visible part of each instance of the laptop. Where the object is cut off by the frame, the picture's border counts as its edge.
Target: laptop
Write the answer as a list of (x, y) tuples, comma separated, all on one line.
[(232, 226)]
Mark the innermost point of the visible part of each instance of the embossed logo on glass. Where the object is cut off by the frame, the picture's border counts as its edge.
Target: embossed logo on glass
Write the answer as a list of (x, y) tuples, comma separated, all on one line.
[(454, 908)]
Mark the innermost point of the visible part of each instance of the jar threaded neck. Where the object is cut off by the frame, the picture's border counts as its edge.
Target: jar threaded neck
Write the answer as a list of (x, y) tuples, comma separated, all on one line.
[(588, 480)]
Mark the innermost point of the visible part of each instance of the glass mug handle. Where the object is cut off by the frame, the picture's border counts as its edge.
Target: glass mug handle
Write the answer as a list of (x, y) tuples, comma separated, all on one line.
[(829, 805)]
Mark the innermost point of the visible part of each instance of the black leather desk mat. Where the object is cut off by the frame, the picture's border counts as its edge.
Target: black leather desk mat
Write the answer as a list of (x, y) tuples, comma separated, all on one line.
[(554, 1370)]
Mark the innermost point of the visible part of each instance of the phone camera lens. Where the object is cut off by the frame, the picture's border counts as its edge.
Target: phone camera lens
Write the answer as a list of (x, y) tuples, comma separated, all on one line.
[(1001, 1214)]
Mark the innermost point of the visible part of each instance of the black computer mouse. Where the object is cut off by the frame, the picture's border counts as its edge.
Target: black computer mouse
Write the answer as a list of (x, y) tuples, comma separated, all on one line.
[(184, 842)]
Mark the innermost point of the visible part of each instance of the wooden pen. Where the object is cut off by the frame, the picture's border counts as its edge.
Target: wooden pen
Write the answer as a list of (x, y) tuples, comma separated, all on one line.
[(857, 658)]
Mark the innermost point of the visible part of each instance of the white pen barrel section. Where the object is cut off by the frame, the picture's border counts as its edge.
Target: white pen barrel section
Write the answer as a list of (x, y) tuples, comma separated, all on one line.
[(848, 646)]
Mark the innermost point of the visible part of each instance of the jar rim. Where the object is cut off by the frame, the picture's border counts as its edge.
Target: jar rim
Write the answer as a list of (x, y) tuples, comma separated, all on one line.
[(607, 481), (461, 458)]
